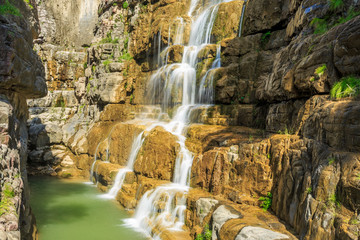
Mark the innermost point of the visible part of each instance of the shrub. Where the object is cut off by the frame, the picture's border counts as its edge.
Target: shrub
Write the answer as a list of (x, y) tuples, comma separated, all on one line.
[(8, 8), (309, 190), (346, 87), (266, 201)]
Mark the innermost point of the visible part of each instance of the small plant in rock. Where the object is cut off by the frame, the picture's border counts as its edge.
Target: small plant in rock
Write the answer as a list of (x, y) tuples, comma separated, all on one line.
[(351, 13), (266, 201), (8, 191), (354, 222), (5, 205), (331, 160), (320, 70), (346, 87), (10, 9), (309, 190), (336, 4), (28, 3), (125, 5), (205, 235), (265, 38), (88, 86), (125, 57), (320, 25), (286, 131), (333, 201)]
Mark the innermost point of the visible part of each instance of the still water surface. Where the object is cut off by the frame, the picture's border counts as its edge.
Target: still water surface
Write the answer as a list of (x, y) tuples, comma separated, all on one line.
[(68, 210)]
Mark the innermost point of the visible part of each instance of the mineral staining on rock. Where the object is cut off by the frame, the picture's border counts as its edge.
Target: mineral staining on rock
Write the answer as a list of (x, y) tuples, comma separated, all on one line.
[(116, 71)]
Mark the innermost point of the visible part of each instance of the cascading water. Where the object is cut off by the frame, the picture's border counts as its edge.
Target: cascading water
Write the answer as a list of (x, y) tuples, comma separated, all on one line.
[(174, 86), (180, 78)]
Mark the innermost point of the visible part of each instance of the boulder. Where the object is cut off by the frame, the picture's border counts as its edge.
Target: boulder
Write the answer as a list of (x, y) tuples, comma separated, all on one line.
[(258, 233)]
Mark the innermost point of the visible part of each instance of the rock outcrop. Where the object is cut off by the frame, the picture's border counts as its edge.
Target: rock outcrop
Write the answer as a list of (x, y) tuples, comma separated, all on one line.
[(274, 132), (21, 77)]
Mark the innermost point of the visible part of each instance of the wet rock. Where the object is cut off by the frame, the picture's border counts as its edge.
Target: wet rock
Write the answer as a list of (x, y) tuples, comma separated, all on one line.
[(156, 158)]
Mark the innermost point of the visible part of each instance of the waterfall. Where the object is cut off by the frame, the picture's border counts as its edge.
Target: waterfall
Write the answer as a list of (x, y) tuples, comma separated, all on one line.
[(242, 17), (120, 176), (174, 88)]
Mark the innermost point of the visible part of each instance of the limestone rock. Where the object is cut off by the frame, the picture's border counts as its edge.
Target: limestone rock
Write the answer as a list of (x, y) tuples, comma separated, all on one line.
[(219, 217), (203, 207), (258, 233)]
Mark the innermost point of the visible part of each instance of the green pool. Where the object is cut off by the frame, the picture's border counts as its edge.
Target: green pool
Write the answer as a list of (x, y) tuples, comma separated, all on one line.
[(68, 210)]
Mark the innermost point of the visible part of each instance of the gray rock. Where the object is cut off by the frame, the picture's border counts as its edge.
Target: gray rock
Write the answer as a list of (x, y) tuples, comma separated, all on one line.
[(258, 233), (203, 207), (220, 216)]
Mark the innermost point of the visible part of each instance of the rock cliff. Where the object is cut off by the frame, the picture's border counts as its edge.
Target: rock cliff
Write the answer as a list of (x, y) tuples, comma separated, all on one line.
[(21, 78), (276, 135)]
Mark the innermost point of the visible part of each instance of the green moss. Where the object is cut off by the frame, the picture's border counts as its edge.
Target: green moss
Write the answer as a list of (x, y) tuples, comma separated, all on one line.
[(309, 190), (8, 8), (346, 87)]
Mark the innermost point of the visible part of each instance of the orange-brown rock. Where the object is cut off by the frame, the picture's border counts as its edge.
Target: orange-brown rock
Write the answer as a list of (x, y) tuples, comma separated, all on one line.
[(229, 12), (156, 158)]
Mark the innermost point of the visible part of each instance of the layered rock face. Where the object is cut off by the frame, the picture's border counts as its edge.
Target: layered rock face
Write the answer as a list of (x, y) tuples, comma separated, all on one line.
[(273, 128), (21, 78)]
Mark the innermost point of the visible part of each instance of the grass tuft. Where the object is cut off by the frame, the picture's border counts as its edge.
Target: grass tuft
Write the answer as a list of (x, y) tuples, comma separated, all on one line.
[(346, 87)]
